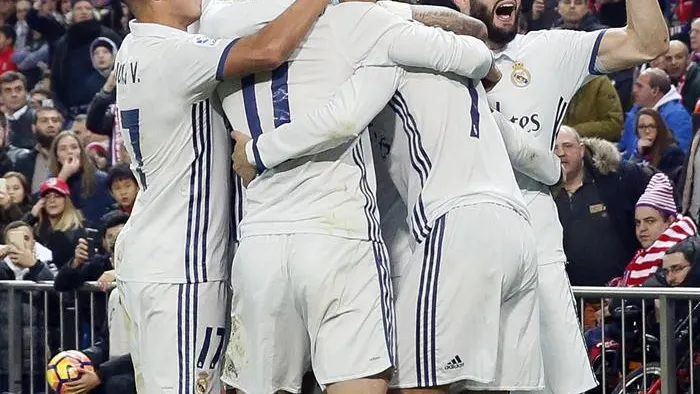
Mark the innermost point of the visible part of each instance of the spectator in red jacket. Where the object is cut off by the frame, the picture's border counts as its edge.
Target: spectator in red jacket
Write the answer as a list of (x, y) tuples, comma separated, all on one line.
[(7, 48)]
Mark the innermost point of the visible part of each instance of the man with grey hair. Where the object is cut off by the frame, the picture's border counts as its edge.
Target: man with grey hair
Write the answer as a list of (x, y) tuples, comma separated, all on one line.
[(653, 89)]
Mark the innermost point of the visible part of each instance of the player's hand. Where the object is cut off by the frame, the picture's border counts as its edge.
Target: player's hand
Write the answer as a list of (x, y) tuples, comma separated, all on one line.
[(81, 252), (70, 166), (87, 382), (537, 9), (36, 209), (492, 78), (241, 166), (106, 279)]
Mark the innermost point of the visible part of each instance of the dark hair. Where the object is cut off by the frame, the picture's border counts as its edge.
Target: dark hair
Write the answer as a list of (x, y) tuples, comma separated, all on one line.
[(87, 167), (43, 91), (12, 76), (14, 225), (663, 139), (45, 109), (9, 32), (119, 172), (112, 219), (688, 247)]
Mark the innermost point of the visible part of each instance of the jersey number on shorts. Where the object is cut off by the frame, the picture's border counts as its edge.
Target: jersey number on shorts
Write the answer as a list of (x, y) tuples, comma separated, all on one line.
[(220, 332), (130, 122)]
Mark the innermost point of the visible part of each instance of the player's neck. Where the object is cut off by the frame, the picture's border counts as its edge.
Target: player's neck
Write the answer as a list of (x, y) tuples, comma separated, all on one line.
[(493, 46), (160, 19)]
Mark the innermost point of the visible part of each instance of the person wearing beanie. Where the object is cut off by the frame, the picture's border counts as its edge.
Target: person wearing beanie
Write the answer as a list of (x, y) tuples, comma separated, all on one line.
[(658, 227), (103, 50)]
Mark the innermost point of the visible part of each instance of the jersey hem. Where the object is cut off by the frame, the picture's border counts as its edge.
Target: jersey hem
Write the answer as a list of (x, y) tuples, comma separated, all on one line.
[(169, 280)]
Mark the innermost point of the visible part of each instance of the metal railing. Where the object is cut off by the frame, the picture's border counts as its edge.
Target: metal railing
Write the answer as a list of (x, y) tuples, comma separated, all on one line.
[(52, 321), (668, 304)]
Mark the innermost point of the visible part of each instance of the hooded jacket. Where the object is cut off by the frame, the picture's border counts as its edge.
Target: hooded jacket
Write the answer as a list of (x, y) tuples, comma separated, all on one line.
[(673, 113), (113, 49), (619, 184)]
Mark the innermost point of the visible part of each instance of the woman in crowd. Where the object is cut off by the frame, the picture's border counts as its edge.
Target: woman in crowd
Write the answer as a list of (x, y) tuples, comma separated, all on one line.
[(656, 146), (57, 224), (15, 200), (70, 162)]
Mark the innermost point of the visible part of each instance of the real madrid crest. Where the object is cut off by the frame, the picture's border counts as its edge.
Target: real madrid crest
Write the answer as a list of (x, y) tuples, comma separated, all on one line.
[(520, 76), (202, 382)]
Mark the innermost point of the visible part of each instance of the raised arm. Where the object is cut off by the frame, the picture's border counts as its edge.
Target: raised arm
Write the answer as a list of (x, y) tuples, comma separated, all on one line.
[(526, 155), (449, 20), (353, 107), (644, 38), (274, 43)]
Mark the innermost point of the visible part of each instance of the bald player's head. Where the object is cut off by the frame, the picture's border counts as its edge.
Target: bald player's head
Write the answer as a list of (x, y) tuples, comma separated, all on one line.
[(650, 86), (677, 59)]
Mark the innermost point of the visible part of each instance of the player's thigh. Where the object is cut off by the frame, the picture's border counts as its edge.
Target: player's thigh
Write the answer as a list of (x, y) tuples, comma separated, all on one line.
[(182, 330), (449, 308), (132, 313), (345, 287), (268, 347), (569, 370)]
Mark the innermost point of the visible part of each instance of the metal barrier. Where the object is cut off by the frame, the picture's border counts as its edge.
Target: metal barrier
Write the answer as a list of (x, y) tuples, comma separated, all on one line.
[(673, 345), (56, 321), (41, 322)]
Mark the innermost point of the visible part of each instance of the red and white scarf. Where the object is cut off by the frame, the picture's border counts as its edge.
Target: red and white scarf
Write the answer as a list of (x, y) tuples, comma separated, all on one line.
[(646, 261)]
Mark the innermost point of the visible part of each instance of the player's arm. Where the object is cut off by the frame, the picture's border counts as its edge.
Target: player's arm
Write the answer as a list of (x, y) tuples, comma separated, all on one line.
[(449, 20), (526, 155), (415, 45), (644, 38), (348, 113), (274, 43)]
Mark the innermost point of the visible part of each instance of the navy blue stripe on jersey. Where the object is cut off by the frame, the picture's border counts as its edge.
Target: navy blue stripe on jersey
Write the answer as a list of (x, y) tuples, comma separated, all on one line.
[(593, 66), (195, 325), (207, 187), (250, 106), (280, 95), (387, 298), (237, 203), (420, 226), (222, 60), (180, 344), (426, 363), (199, 189), (371, 212), (558, 119), (474, 109)]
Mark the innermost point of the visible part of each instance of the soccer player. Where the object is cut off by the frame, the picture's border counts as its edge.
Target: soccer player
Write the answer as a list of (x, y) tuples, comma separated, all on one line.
[(172, 257), (543, 70), (310, 276)]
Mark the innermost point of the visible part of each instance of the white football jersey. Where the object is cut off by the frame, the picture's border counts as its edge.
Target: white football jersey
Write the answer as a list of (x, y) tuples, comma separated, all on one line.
[(446, 149), (327, 192), (542, 71), (179, 229)]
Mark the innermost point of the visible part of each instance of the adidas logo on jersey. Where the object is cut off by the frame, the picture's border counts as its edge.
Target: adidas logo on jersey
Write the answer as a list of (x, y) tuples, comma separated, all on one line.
[(455, 363)]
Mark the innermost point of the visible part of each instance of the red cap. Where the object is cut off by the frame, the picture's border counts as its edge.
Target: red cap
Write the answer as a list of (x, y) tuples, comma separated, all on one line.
[(54, 184)]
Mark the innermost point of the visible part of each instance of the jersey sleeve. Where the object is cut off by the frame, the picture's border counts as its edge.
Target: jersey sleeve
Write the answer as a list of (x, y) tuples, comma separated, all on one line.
[(412, 44), (198, 64), (526, 155), (348, 113), (576, 54)]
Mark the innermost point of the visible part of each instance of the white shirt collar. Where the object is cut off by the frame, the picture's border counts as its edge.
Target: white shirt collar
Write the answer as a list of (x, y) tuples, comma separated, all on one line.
[(511, 49), (17, 114)]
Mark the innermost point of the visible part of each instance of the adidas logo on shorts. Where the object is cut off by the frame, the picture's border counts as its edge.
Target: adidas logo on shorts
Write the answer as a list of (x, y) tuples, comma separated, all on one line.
[(455, 363)]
